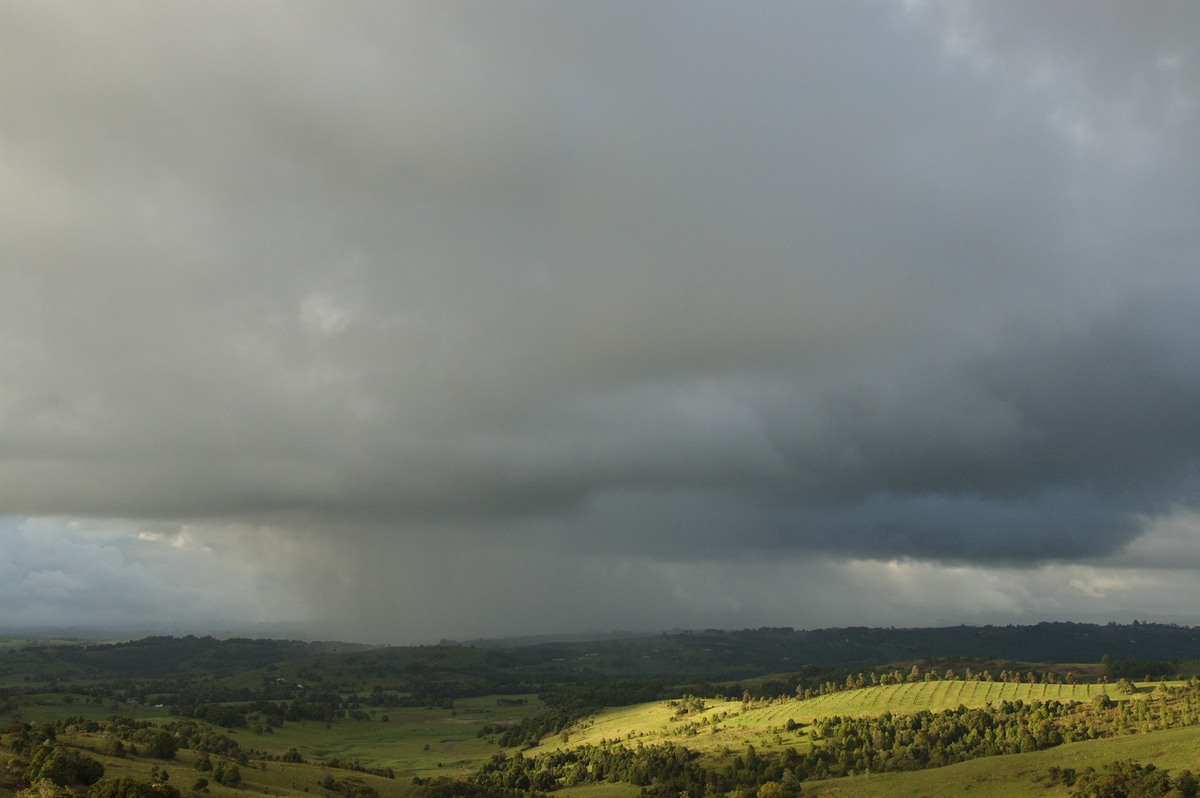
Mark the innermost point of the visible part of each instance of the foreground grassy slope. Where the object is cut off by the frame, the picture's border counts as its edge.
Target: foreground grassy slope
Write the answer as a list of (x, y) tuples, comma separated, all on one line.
[(288, 780), (1021, 774)]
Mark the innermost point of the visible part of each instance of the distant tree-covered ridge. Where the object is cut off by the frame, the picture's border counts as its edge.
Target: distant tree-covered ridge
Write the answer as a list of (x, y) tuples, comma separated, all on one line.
[(709, 655), (161, 657)]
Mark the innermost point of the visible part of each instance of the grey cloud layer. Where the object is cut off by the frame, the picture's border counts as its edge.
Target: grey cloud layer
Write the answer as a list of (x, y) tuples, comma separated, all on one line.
[(677, 281)]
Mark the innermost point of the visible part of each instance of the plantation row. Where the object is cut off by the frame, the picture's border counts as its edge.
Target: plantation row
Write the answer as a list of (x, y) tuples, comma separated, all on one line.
[(840, 746), (932, 695), (712, 724)]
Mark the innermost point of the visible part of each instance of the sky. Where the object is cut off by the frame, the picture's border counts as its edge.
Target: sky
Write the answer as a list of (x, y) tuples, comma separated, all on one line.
[(402, 321)]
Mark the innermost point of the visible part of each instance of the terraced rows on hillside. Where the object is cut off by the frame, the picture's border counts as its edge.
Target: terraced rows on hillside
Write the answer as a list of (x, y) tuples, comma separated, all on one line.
[(730, 724), (915, 696)]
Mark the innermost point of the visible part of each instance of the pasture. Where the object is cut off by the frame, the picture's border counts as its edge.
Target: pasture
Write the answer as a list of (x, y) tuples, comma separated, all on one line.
[(1020, 774), (431, 742), (731, 725)]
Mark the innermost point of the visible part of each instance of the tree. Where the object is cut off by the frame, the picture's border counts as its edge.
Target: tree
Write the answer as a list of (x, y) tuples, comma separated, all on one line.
[(43, 788), (125, 787), (291, 755), (770, 789), (161, 745), (229, 775), (789, 783), (65, 767), (1187, 784)]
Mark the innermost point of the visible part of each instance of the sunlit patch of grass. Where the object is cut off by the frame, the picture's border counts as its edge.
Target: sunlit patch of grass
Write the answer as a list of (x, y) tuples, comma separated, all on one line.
[(731, 725), (1021, 774)]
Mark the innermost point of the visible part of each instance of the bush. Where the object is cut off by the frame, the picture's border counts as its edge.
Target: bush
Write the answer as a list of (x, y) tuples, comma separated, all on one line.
[(125, 787), (228, 774)]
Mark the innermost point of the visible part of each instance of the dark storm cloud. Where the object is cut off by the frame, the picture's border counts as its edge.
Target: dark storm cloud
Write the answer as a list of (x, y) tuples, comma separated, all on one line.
[(675, 281)]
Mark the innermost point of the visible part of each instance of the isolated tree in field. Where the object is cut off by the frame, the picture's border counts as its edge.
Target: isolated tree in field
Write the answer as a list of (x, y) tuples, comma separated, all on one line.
[(228, 774)]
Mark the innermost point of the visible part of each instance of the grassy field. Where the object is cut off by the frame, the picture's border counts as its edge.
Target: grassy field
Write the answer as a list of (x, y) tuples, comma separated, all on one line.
[(988, 777), (286, 780), (1021, 774), (434, 742), (933, 696), (725, 724), (51, 707), (413, 742)]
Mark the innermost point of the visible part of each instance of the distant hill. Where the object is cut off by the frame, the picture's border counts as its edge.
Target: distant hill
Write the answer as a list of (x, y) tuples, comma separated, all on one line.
[(711, 655), (158, 657), (521, 641)]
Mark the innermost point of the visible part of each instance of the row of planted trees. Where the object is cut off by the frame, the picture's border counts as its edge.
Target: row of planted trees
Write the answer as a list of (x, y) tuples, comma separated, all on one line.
[(916, 674), (841, 746)]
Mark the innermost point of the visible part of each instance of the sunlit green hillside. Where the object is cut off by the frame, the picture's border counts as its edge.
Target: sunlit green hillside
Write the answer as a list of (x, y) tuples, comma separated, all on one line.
[(768, 725), (1020, 774)]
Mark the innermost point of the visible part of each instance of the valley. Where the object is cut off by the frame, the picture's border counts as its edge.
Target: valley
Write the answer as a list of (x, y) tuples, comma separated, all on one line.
[(660, 715)]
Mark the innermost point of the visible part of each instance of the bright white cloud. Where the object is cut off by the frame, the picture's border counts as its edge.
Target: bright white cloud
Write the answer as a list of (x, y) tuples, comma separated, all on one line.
[(125, 574)]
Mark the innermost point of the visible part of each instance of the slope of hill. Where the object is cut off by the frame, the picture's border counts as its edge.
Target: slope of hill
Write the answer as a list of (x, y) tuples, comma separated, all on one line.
[(1019, 774), (773, 725)]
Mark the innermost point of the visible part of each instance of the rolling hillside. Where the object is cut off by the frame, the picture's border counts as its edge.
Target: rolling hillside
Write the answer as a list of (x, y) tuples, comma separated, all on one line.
[(730, 724)]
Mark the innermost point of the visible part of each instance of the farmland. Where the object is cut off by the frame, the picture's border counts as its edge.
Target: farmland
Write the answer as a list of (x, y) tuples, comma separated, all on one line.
[(729, 723), (332, 720)]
